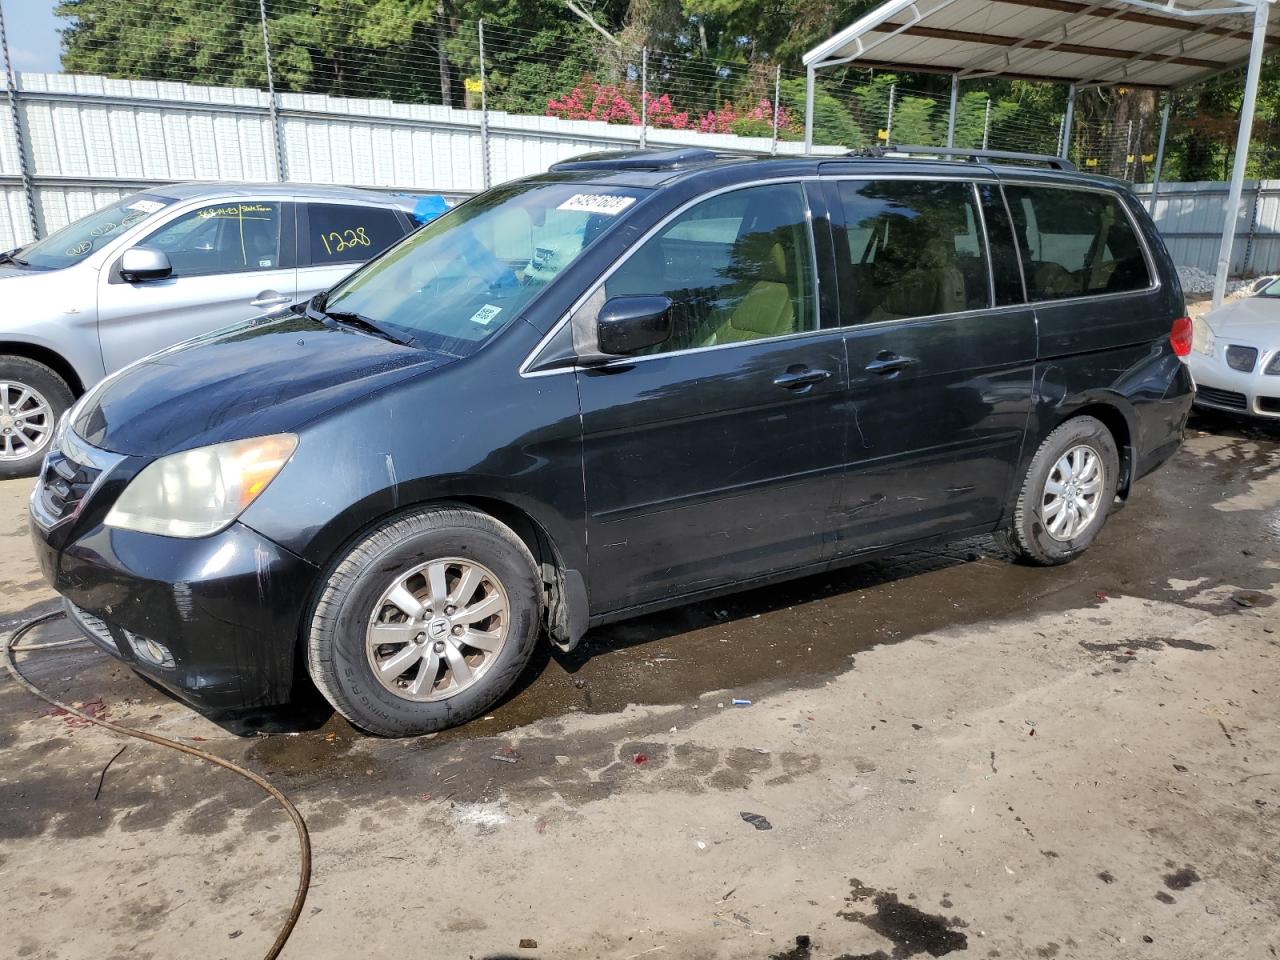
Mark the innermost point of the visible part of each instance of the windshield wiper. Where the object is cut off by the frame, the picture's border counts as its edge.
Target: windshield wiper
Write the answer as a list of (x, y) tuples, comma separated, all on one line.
[(360, 321), (10, 257)]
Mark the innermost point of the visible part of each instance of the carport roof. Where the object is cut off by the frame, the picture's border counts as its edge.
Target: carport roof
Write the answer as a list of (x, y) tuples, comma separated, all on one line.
[(1130, 42)]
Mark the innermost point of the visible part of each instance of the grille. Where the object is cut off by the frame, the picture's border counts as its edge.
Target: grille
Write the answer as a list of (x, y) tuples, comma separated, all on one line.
[(1222, 398), (65, 484), (1269, 404), (1241, 358)]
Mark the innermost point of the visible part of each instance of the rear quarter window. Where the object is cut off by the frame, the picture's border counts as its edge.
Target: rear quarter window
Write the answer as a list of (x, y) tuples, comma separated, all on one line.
[(349, 233), (1075, 243)]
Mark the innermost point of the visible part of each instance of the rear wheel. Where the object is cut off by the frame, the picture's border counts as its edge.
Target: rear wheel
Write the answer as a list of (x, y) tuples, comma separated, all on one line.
[(32, 398), (425, 623), (1068, 488)]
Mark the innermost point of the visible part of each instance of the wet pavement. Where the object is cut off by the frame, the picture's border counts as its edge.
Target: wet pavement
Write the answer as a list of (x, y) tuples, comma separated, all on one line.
[(880, 694)]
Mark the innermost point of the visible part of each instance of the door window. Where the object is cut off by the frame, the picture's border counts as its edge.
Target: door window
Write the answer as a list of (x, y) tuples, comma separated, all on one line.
[(348, 233), (915, 249), (233, 236), (1075, 243), (737, 267)]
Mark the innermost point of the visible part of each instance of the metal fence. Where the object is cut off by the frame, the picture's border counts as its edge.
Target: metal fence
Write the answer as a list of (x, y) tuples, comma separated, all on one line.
[(1190, 216)]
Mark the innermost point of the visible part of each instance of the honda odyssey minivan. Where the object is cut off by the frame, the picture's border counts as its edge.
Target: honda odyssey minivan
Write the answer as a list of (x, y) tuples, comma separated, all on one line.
[(639, 379)]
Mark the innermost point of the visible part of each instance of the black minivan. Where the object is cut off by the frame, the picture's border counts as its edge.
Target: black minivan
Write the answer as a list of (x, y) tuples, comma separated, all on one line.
[(639, 379)]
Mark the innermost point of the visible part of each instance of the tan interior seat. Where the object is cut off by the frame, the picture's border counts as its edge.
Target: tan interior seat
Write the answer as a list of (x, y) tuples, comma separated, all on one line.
[(766, 308), (933, 285)]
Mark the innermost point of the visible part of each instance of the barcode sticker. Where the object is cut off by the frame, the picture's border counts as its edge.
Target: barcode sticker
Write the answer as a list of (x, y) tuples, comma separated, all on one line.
[(486, 314), (145, 206), (603, 203)]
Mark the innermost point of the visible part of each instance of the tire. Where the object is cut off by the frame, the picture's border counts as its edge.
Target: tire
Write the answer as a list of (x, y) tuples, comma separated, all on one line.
[(433, 554), (32, 400), (1032, 536)]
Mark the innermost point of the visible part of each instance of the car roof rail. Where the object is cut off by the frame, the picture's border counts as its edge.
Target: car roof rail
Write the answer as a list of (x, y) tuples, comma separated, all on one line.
[(965, 153), (638, 160)]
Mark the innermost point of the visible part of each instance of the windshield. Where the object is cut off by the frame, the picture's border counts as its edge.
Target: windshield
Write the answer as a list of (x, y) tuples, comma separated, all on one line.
[(458, 280), (1272, 289), (77, 240)]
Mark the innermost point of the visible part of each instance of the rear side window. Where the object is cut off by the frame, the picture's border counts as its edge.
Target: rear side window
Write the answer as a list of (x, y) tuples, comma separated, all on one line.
[(347, 233), (915, 249), (737, 267), (1075, 243)]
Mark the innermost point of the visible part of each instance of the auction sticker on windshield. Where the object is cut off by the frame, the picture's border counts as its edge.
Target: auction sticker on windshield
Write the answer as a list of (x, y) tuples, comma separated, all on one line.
[(486, 314), (602, 203), (145, 206)]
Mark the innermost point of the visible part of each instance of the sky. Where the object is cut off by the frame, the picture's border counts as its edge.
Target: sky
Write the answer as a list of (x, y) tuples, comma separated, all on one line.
[(33, 34)]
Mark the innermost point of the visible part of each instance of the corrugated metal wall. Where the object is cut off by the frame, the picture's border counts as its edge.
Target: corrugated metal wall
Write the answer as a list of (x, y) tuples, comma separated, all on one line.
[(90, 139), (1190, 216)]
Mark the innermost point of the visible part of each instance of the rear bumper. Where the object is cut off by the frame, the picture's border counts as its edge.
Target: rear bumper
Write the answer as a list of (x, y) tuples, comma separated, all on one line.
[(226, 608)]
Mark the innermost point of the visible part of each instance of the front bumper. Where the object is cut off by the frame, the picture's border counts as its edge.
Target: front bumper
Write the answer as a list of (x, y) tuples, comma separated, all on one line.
[(227, 608), (1219, 387)]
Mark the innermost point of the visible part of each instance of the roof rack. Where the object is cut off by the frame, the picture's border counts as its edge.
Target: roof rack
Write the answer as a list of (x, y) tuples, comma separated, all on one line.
[(1054, 163), (637, 160)]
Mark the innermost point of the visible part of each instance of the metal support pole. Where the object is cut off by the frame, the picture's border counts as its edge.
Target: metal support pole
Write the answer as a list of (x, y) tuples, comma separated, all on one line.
[(777, 106), (951, 117), (1256, 47), (1164, 129), (888, 124), (484, 114), (810, 80), (11, 85), (1128, 147), (1065, 146), (644, 97), (277, 135), (986, 125)]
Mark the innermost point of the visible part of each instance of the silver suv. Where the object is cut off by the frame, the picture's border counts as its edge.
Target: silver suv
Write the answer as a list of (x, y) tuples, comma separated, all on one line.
[(159, 267)]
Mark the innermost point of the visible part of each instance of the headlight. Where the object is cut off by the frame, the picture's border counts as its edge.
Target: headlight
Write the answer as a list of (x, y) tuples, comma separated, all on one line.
[(198, 492), (1201, 337)]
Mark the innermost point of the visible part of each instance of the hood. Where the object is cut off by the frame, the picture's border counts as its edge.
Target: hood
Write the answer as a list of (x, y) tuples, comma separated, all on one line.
[(266, 376), (1255, 320)]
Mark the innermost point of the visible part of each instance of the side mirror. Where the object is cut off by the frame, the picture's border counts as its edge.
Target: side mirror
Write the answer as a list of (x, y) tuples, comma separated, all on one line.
[(627, 325), (140, 264)]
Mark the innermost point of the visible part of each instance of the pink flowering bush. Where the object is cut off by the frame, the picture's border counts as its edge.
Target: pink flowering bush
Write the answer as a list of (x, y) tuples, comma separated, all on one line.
[(595, 101), (612, 103)]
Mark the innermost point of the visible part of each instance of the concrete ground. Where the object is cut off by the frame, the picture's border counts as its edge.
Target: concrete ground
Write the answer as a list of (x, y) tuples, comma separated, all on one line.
[(953, 754)]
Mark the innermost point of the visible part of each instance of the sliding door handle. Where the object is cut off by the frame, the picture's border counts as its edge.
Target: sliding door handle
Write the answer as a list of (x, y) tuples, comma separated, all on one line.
[(887, 362)]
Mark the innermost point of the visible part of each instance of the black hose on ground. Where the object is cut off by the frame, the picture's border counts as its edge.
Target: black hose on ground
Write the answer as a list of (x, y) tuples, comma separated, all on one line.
[(304, 842)]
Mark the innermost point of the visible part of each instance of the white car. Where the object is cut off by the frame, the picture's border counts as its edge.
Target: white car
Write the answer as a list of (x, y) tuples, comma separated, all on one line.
[(162, 266), (1235, 355)]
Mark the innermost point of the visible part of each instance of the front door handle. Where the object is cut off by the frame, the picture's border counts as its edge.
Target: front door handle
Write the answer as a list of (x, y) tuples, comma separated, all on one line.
[(801, 379), (887, 362), (269, 298)]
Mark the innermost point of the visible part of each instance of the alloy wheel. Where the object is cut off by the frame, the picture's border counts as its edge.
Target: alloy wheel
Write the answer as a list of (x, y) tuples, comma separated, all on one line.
[(26, 421), (437, 629), (1073, 492)]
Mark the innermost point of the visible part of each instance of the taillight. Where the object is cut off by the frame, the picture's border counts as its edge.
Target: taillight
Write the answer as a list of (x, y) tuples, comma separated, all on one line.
[(1180, 336)]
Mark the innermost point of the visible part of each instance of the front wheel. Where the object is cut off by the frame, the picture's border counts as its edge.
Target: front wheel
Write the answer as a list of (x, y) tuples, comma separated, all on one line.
[(426, 623), (32, 398), (1063, 503)]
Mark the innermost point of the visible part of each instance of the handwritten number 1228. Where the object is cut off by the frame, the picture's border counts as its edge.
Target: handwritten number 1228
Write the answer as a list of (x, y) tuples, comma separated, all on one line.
[(336, 242)]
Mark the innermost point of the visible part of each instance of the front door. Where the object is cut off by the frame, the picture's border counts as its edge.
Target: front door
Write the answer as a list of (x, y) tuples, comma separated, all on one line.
[(941, 356), (231, 259), (716, 457)]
